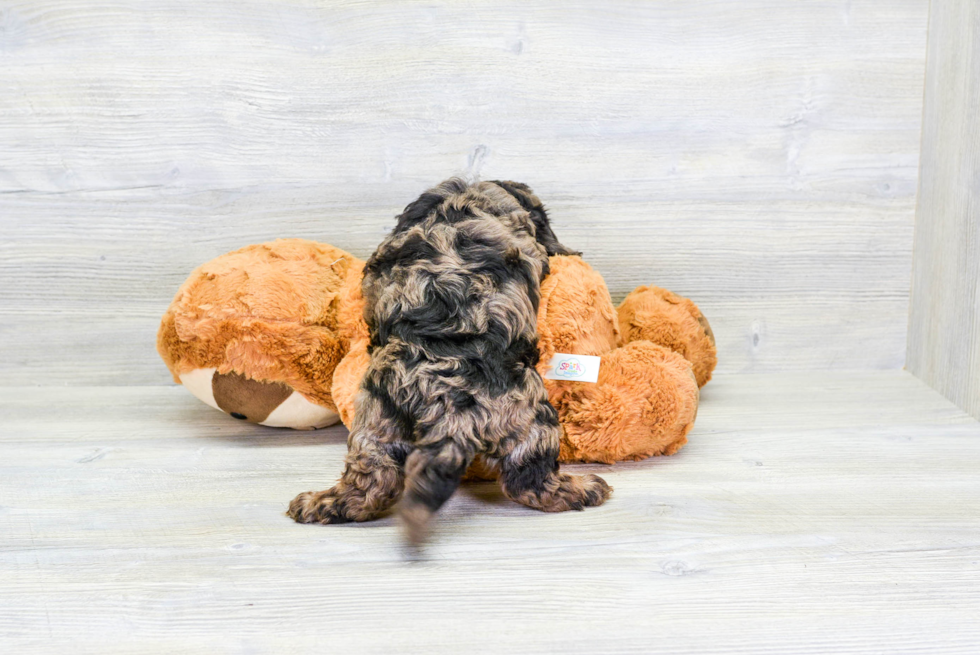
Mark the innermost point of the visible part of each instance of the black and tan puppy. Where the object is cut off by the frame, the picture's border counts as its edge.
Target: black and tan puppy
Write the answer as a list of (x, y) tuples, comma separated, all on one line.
[(451, 303)]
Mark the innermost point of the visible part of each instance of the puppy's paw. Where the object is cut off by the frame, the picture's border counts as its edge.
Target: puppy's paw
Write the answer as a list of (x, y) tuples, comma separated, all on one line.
[(580, 491), (595, 490), (316, 507)]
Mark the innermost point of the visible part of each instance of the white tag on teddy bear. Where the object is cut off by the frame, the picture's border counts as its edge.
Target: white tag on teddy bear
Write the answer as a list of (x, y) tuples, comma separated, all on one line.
[(577, 368)]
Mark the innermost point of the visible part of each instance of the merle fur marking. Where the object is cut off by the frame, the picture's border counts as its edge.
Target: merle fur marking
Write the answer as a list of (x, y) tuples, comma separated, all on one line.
[(451, 304)]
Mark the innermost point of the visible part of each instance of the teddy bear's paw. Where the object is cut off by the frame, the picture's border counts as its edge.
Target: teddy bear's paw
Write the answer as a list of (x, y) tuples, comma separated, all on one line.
[(316, 507), (674, 322)]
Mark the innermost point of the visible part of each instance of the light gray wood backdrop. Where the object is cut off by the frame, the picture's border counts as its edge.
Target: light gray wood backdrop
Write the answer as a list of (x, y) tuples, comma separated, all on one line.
[(944, 325), (760, 157)]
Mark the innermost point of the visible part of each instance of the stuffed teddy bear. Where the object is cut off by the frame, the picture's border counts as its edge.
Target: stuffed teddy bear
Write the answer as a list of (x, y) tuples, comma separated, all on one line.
[(274, 334)]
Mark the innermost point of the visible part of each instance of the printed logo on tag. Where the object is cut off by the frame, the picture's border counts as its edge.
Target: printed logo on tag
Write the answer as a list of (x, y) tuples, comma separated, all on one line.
[(577, 368)]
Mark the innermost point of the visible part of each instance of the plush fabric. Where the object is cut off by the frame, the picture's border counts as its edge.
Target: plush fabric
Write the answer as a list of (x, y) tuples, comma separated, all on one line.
[(270, 312), (290, 313), (645, 400), (676, 323)]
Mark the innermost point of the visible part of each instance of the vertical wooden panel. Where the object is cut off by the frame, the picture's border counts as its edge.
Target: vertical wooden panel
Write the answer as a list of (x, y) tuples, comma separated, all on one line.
[(944, 327)]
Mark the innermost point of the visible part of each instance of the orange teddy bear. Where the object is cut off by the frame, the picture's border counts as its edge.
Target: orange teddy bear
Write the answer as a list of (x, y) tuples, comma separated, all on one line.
[(274, 334)]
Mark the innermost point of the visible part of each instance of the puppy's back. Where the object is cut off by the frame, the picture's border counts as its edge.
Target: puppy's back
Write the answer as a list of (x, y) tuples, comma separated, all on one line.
[(451, 304)]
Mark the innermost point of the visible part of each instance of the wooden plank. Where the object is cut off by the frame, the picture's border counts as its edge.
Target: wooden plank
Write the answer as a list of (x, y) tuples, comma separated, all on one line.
[(944, 325), (811, 512), (761, 159), (94, 292)]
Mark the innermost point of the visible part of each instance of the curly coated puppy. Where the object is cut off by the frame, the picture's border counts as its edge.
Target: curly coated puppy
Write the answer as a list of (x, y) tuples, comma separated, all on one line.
[(451, 302)]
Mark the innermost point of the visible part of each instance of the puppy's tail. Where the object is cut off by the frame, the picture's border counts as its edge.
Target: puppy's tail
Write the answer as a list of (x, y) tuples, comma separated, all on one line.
[(432, 474)]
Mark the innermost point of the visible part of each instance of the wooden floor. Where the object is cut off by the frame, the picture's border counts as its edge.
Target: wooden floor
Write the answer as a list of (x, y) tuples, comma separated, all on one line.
[(809, 513)]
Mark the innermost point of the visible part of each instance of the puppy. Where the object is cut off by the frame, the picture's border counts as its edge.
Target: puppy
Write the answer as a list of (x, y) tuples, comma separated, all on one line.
[(451, 303)]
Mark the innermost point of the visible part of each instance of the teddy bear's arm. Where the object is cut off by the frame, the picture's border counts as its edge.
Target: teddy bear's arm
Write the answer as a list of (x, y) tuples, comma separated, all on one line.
[(353, 330), (347, 379)]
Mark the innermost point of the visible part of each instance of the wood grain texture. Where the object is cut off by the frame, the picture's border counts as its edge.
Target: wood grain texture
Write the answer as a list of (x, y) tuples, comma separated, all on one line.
[(811, 512), (759, 157), (944, 323)]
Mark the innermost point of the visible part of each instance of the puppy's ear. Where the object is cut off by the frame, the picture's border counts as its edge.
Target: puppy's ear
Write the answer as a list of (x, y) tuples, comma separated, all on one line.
[(546, 237), (542, 225), (417, 211)]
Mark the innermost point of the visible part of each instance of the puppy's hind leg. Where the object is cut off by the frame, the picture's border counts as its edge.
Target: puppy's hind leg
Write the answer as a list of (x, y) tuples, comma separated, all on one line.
[(373, 476), (529, 473)]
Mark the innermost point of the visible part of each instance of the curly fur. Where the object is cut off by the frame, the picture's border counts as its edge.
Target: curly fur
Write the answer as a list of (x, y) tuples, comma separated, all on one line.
[(451, 303)]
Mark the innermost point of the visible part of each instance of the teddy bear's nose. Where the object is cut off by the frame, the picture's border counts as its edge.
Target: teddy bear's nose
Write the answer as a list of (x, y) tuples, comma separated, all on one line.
[(240, 417)]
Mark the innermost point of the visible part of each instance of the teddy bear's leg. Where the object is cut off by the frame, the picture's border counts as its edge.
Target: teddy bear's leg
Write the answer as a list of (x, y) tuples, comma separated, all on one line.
[(666, 319), (373, 477), (644, 403), (529, 471)]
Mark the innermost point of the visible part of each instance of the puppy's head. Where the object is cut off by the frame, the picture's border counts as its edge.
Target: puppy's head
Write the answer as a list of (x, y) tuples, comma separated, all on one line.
[(418, 210), (532, 204)]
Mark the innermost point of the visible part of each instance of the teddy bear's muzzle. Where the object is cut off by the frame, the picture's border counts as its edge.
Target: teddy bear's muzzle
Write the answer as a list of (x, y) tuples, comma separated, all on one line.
[(274, 404), (245, 399)]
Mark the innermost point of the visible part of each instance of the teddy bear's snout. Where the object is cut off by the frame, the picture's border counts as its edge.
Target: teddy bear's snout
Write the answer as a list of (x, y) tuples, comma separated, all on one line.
[(246, 399)]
